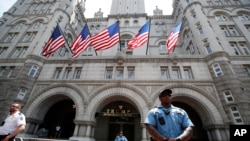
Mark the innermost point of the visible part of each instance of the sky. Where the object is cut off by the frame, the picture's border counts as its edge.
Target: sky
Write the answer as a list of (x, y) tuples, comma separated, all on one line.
[(150, 5)]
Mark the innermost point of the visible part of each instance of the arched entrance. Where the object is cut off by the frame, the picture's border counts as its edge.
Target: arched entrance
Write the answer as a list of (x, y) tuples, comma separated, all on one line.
[(199, 132), (61, 113), (115, 117)]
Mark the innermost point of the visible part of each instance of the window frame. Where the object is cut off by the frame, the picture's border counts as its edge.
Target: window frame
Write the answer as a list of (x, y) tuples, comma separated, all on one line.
[(33, 70)]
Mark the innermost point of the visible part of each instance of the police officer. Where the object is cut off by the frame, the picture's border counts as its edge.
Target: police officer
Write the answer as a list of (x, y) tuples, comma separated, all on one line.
[(167, 122), (13, 124)]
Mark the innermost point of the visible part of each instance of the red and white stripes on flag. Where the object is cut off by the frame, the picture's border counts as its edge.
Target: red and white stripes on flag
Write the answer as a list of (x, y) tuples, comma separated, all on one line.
[(81, 42), (55, 42), (140, 38), (173, 38), (107, 38)]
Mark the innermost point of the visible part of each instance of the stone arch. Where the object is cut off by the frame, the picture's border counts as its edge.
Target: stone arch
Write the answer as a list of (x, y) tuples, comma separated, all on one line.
[(241, 11), (50, 96), (158, 41), (20, 20), (42, 19), (127, 33), (219, 11), (117, 93), (193, 96)]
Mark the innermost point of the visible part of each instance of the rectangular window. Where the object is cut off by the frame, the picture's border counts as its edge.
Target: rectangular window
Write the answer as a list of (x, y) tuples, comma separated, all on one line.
[(220, 18), (217, 70), (3, 51), (6, 71), (58, 73), (247, 68), (228, 96), (236, 115), (188, 73), (21, 94), (68, 73), (234, 48), (199, 27), (109, 73), (244, 17), (2, 71), (11, 69), (244, 48), (10, 37), (207, 46), (33, 71), (164, 72), (37, 25), (176, 73), (19, 52), (78, 72), (119, 72), (247, 27), (29, 36), (229, 30), (224, 30), (131, 72), (19, 26), (122, 45), (233, 30), (162, 47)]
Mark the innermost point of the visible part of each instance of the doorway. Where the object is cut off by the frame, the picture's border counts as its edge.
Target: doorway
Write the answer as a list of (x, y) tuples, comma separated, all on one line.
[(199, 133), (60, 114), (115, 117)]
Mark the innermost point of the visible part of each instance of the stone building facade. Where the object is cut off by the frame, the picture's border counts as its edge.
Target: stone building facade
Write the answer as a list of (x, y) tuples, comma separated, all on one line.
[(98, 94)]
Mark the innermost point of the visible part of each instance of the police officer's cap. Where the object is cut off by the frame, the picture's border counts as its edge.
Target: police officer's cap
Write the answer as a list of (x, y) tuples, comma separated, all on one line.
[(165, 92)]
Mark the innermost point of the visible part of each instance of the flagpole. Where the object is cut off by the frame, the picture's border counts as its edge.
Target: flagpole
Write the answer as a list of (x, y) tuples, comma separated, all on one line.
[(89, 33), (119, 35), (148, 35), (64, 38)]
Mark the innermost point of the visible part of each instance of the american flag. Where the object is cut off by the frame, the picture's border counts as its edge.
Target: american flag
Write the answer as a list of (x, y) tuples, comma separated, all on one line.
[(173, 38), (107, 38), (55, 42), (140, 38), (81, 42)]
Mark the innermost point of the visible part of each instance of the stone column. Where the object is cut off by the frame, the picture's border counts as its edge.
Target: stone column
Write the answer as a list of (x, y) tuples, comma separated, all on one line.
[(76, 130), (217, 133), (144, 132)]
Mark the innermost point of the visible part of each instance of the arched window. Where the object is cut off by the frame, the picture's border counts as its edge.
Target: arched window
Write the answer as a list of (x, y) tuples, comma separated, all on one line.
[(91, 27), (220, 17), (126, 23), (19, 26), (37, 25), (97, 27), (124, 42), (162, 46), (136, 22)]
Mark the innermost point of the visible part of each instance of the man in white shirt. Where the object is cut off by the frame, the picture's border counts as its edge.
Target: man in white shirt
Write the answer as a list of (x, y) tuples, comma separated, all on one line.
[(13, 124)]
